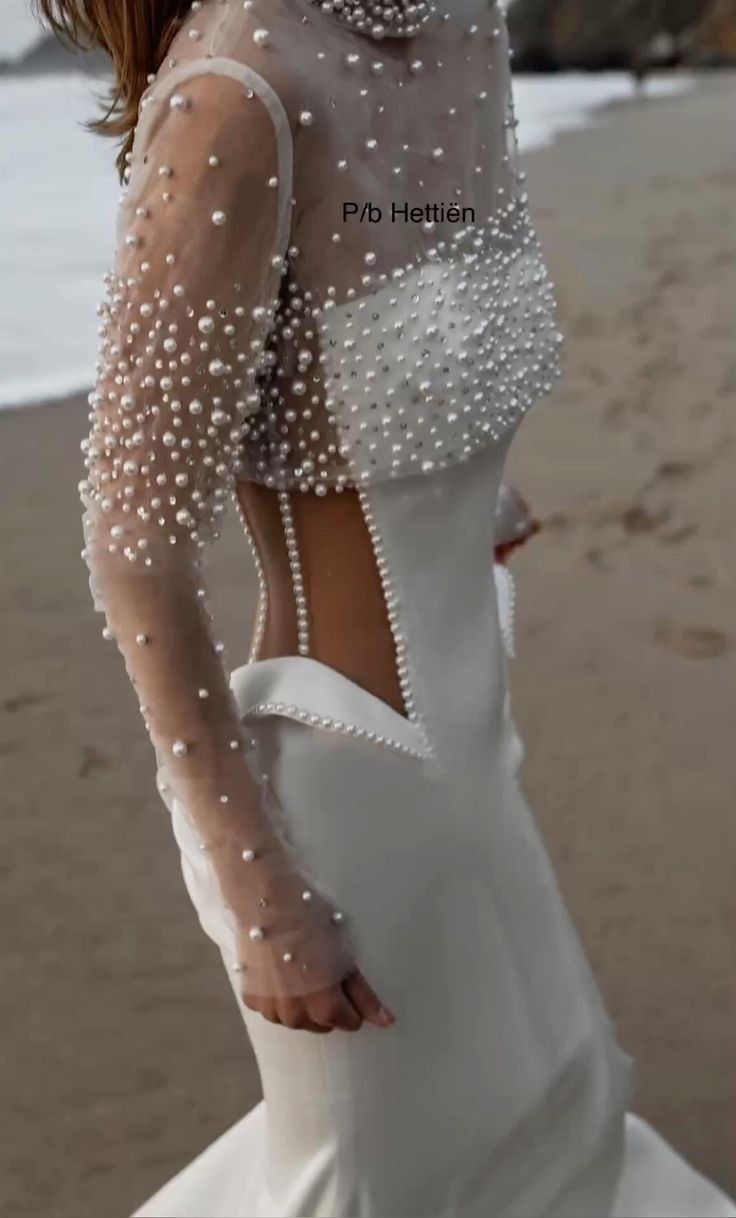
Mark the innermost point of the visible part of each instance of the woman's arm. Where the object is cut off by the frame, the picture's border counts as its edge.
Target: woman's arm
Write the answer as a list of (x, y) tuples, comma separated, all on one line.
[(190, 304)]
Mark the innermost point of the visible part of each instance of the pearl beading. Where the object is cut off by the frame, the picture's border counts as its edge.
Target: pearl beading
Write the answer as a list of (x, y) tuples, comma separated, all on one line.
[(301, 605), (380, 18), (505, 587), (262, 609), (391, 601), (299, 713), (455, 348), (359, 365), (511, 620)]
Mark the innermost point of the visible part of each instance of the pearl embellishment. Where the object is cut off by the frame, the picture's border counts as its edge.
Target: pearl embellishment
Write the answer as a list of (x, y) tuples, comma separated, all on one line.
[(345, 354)]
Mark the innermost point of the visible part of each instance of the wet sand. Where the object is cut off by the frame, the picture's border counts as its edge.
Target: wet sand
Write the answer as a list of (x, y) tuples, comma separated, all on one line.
[(123, 1051)]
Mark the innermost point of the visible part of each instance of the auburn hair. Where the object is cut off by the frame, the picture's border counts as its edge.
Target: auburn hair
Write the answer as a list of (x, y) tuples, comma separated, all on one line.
[(135, 34)]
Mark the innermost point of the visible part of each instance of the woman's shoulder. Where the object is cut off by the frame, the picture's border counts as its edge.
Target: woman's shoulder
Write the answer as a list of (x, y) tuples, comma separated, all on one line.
[(216, 88), (254, 44)]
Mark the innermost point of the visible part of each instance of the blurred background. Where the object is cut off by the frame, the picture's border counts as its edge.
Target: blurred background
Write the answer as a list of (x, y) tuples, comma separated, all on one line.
[(123, 1054), (640, 35)]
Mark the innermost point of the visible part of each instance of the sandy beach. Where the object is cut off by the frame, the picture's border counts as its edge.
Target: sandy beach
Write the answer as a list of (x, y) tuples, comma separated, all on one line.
[(124, 1055)]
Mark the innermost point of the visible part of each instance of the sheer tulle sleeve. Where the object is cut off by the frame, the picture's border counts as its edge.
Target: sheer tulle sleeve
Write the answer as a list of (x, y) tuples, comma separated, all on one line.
[(190, 303)]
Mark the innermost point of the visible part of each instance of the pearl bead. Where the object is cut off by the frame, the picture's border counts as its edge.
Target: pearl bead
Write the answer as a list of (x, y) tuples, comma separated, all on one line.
[(248, 855), (257, 934), (179, 748)]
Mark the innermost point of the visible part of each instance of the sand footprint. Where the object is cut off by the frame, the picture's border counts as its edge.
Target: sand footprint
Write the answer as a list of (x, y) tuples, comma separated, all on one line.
[(691, 642)]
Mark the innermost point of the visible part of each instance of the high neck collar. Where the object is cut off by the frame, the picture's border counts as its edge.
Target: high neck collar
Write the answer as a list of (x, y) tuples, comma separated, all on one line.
[(380, 19)]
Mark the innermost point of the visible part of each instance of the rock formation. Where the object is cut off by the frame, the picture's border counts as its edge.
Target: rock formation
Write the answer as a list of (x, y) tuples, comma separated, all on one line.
[(560, 34)]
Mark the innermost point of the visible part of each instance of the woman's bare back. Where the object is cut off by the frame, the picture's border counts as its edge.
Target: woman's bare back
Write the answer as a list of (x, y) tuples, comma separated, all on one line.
[(349, 628)]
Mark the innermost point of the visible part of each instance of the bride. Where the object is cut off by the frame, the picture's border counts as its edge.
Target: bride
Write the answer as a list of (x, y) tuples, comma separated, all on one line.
[(329, 306)]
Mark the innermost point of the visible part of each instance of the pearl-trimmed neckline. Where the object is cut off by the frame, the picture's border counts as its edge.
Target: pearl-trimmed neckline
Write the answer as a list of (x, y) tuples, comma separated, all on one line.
[(379, 19)]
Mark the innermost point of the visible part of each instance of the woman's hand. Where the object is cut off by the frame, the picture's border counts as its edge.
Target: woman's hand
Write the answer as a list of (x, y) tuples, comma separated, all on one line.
[(344, 1007), (514, 523), (294, 959)]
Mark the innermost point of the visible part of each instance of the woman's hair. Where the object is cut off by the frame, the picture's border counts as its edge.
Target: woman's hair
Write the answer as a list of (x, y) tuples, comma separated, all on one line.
[(134, 33)]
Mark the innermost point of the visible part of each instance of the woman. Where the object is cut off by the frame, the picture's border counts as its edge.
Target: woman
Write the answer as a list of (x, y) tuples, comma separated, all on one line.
[(329, 305)]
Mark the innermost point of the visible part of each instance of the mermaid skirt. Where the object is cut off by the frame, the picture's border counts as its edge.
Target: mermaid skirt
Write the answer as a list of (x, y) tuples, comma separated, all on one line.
[(501, 1091)]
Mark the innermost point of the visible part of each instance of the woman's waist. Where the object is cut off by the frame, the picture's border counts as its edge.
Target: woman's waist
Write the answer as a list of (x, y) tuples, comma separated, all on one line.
[(360, 647), (448, 707), (393, 589)]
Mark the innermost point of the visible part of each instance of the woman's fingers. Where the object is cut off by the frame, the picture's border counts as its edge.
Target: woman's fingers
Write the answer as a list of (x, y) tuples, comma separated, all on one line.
[(344, 1014), (294, 1013), (262, 1006), (366, 1001), (344, 1007), (320, 1013), (332, 1009)]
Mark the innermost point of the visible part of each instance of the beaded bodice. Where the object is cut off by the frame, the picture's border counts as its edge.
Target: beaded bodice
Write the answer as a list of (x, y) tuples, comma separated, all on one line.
[(326, 278), (375, 303)]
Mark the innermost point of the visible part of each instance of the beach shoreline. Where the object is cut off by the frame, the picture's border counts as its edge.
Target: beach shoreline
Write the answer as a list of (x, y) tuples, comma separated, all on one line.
[(58, 194), (125, 1052)]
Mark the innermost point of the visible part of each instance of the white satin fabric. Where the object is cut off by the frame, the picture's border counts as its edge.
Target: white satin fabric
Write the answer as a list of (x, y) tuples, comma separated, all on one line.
[(501, 1092), (655, 1181)]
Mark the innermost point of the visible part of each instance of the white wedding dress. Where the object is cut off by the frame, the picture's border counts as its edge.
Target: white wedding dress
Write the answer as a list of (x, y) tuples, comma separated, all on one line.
[(254, 331)]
